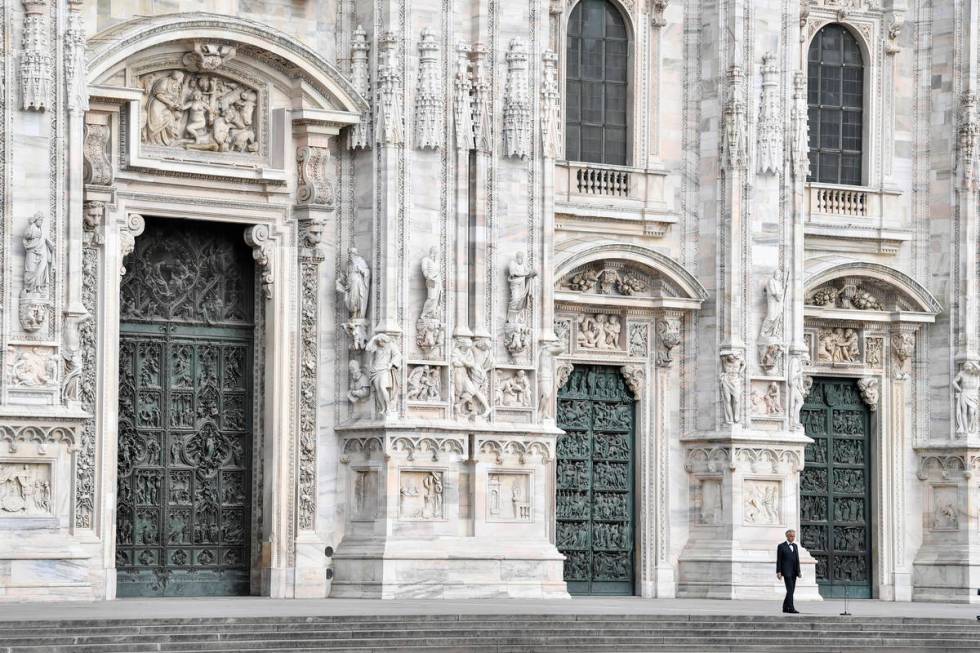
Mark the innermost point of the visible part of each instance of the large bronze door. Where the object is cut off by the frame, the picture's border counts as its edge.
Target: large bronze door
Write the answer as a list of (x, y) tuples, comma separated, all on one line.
[(595, 481), (835, 488), (185, 413)]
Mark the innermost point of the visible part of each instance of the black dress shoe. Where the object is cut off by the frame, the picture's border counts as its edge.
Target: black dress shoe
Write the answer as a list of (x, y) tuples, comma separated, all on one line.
[(793, 611)]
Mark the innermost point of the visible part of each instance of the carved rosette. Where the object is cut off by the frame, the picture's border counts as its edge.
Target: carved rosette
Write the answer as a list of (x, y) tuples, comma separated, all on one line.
[(635, 377), (735, 121), (359, 135), (95, 154), (551, 126), (870, 391), (770, 126), (388, 128), (259, 238), (668, 337), (800, 143), (463, 99), (517, 103), (128, 232), (429, 95), (313, 185), (35, 57)]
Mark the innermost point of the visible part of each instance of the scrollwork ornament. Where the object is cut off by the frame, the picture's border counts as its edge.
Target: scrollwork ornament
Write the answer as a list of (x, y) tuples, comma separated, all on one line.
[(259, 238), (128, 232), (97, 167), (313, 185)]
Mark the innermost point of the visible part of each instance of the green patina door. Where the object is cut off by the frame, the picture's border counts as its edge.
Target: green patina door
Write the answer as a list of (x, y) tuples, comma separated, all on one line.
[(835, 488), (185, 412), (595, 481)]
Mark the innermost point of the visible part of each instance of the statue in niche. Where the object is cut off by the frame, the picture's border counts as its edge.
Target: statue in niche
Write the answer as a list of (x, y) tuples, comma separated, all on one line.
[(471, 368), (39, 251), (732, 369), (517, 333), (355, 286), (358, 383), (966, 390), (386, 360), (429, 328), (772, 325)]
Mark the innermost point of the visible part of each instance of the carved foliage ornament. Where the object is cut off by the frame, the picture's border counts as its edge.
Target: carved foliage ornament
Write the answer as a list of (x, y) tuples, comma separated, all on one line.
[(208, 56), (850, 294), (309, 382), (903, 346), (428, 95), (259, 238), (613, 280), (35, 58)]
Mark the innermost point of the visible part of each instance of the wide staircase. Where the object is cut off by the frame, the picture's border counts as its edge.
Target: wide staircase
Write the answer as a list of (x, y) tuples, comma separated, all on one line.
[(497, 633)]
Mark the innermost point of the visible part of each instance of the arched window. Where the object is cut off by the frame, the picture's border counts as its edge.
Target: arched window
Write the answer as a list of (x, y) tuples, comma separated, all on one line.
[(835, 93), (595, 84)]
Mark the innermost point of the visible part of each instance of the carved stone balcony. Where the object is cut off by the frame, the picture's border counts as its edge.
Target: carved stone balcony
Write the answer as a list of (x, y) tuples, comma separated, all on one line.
[(855, 218), (592, 197)]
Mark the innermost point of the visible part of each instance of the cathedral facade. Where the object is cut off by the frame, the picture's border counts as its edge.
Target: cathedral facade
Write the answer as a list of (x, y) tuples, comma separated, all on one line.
[(489, 298)]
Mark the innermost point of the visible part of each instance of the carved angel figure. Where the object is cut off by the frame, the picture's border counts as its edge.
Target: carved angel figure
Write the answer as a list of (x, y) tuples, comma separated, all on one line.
[(386, 360), (355, 286), (38, 250), (966, 386)]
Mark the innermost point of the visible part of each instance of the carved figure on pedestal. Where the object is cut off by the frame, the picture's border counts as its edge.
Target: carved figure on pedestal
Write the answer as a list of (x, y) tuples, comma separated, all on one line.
[(358, 383), (517, 333), (799, 388), (162, 109), (470, 376), (386, 360), (429, 328), (772, 325), (966, 386), (38, 250), (732, 370), (547, 383), (355, 286)]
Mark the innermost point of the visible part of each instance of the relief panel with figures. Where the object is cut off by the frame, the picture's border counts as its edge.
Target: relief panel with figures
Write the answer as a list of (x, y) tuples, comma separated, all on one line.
[(184, 452)]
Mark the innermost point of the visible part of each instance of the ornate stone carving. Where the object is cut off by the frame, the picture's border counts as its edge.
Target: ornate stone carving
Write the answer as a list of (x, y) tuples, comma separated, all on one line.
[(639, 345), (550, 378), (388, 108), (31, 367), (429, 95), (25, 489), (85, 460), (358, 383), (471, 378), (35, 300), (463, 99), (93, 216), (969, 142), (424, 383), (800, 143), (966, 385), (35, 57), (600, 331), (735, 120), (838, 345), (41, 434), (313, 185), (945, 516), (608, 281), (903, 347), (770, 126), (97, 165), (775, 292), (513, 389), (551, 125), (761, 502), (874, 352), (668, 337), (799, 388), (657, 9), (508, 497), (207, 56), (482, 94), (355, 287), (768, 403), (636, 377), (359, 135), (771, 358), (732, 378), (429, 329), (308, 386), (386, 360), (870, 392), (517, 103), (847, 294), (434, 446), (76, 86), (894, 30), (199, 111), (259, 238), (517, 332), (128, 232), (421, 496)]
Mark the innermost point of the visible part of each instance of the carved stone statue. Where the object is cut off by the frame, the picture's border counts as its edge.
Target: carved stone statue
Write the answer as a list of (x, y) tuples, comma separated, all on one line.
[(799, 388), (732, 370), (870, 391), (514, 390), (38, 250), (966, 390), (355, 287), (163, 106), (386, 360), (516, 331), (429, 328), (470, 375), (358, 383), (424, 384), (772, 326), (547, 384)]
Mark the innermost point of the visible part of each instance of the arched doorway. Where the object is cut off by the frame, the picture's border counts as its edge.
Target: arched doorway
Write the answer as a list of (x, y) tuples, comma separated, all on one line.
[(596, 503), (183, 516)]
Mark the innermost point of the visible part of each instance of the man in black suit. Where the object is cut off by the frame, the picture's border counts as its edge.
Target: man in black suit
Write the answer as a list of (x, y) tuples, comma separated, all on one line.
[(788, 568)]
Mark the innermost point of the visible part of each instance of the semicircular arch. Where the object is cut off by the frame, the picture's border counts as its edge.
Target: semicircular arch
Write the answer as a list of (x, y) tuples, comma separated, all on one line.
[(909, 294)]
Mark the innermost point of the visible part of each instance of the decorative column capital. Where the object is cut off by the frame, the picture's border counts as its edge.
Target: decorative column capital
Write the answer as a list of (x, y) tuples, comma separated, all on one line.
[(636, 378), (870, 390)]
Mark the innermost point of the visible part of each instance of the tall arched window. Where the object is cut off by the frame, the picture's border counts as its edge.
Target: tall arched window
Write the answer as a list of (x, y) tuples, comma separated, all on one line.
[(835, 93), (596, 84)]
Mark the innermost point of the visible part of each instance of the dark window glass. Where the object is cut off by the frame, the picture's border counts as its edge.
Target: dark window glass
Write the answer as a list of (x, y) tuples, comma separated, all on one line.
[(596, 84), (835, 92)]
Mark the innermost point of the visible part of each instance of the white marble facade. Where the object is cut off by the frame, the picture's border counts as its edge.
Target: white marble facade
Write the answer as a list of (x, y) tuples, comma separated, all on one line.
[(430, 266)]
